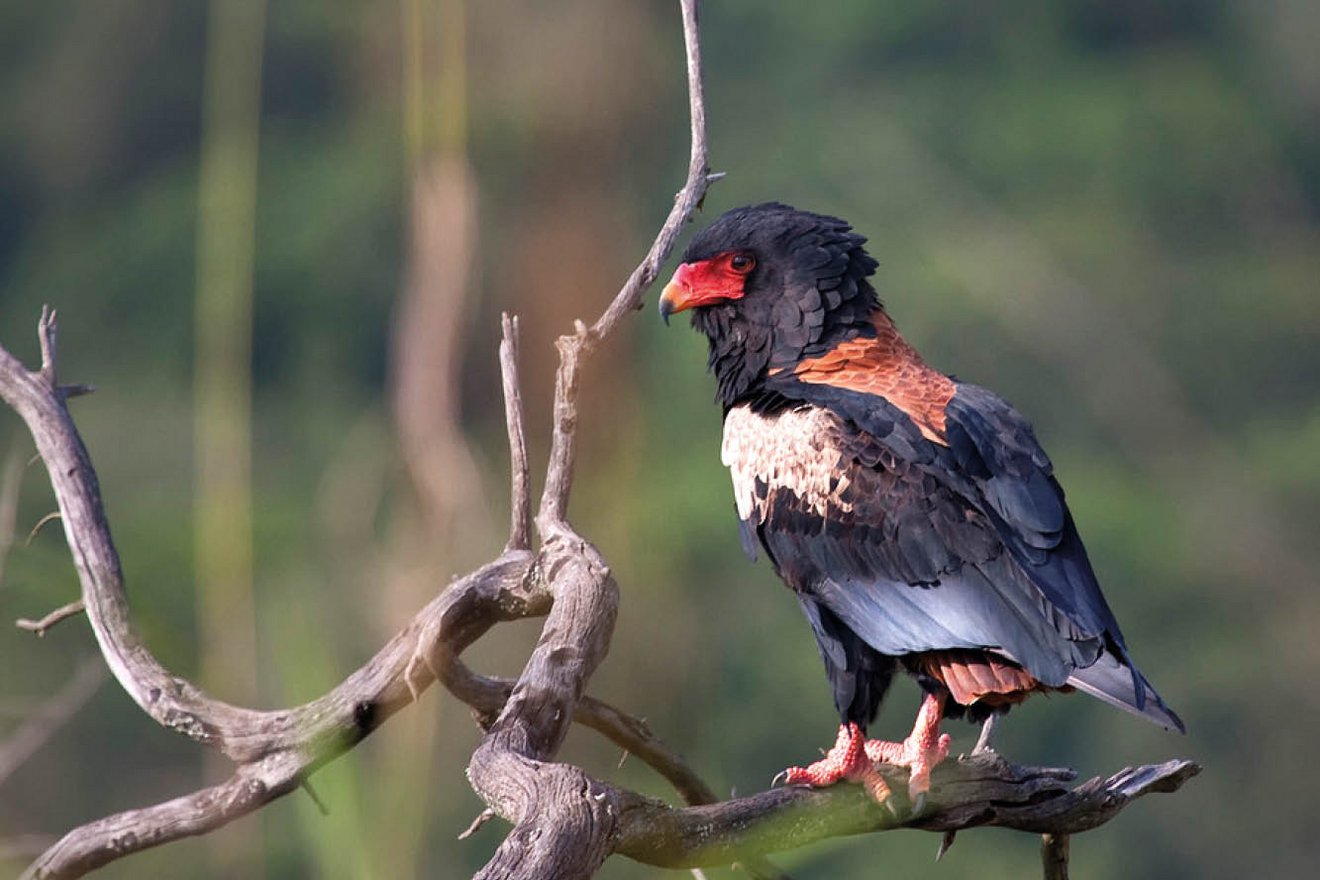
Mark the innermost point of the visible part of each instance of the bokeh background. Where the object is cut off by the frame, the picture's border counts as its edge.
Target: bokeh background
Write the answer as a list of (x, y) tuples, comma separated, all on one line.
[(280, 235)]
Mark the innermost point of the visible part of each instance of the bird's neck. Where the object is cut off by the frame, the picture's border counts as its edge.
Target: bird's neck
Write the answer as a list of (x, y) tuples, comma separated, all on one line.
[(891, 350), (744, 355)]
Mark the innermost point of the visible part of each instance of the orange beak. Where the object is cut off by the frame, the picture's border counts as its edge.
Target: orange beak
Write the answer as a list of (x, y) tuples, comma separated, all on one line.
[(677, 295), (700, 284)]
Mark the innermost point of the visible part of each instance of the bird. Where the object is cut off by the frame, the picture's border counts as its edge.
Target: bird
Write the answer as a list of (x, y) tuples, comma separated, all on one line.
[(914, 516)]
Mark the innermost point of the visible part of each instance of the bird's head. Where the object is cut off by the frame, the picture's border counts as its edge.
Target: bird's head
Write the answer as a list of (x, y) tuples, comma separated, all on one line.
[(768, 285)]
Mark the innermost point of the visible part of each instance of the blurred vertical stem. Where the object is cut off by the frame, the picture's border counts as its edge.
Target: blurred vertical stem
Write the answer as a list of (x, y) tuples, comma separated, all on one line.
[(223, 377), (426, 351), (435, 128)]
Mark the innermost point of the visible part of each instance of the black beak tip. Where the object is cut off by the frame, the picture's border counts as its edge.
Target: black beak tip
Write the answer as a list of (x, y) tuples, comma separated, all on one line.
[(665, 311)]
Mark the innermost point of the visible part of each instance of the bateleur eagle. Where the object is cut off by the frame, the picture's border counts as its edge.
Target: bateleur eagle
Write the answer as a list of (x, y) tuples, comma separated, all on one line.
[(914, 516)]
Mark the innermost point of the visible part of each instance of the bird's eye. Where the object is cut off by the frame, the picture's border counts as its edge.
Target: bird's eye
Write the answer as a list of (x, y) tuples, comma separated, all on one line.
[(742, 263)]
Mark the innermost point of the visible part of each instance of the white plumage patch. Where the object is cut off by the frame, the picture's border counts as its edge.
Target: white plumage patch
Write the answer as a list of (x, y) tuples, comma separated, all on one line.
[(788, 450)]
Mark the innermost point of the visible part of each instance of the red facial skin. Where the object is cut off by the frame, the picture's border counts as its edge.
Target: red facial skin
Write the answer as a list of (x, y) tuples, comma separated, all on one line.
[(720, 278)]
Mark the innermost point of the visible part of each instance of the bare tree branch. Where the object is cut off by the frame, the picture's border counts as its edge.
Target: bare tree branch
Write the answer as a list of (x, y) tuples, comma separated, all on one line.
[(487, 696), (973, 791), (41, 524), (520, 507), (64, 612), (283, 747), (1054, 856), (563, 449), (566, 823), (563, 820)]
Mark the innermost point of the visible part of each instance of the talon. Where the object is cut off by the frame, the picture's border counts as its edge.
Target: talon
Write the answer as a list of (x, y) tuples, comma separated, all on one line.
[(874, 783), (919, 804), (921, 752), (919, 781), (846, 761)]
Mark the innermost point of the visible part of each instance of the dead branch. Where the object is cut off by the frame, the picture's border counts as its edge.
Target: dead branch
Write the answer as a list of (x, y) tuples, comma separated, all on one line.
[(971, 792), (1054, 856), (585, 340), (566, 823), (39, 626), (520, 506)]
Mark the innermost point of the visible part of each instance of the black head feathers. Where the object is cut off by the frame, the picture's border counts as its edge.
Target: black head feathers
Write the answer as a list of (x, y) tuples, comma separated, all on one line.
[(807, 292)]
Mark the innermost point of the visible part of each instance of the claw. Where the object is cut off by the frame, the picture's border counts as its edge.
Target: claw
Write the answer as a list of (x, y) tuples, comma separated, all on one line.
[(854, 758), (924, 748)]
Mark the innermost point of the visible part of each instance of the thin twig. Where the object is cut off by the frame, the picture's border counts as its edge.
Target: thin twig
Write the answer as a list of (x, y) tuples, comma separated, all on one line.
[(563, 446), (482, 818), (69, 392), (47, 331), (41, 523), (62, 613), (520, 508)]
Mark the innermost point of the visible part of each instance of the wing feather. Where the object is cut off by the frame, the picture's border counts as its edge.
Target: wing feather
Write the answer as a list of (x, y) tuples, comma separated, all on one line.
[(917, 545)]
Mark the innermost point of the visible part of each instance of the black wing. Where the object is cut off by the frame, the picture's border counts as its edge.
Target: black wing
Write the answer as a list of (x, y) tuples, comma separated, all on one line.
[(917, 546)]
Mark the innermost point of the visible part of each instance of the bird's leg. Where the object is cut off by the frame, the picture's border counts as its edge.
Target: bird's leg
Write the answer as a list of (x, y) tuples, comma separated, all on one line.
[(924, 748), (847, 761)]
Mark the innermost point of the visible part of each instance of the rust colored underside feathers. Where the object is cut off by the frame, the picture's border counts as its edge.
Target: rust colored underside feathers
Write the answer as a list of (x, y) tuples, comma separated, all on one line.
[(973, 676)]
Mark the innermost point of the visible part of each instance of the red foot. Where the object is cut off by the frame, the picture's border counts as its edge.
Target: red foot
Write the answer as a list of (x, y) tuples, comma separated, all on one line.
[(847, 761), (854, 757), (924, 748)]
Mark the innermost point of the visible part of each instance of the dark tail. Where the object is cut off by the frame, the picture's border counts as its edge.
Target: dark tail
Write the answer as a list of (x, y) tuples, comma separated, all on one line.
[(1116, 683)]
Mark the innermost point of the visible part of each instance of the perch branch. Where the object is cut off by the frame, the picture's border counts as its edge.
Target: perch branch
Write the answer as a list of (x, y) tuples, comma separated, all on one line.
[(971, 792)]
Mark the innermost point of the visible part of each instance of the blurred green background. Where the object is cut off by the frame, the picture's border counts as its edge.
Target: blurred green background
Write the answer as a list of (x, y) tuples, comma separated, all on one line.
[(296, 223)]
